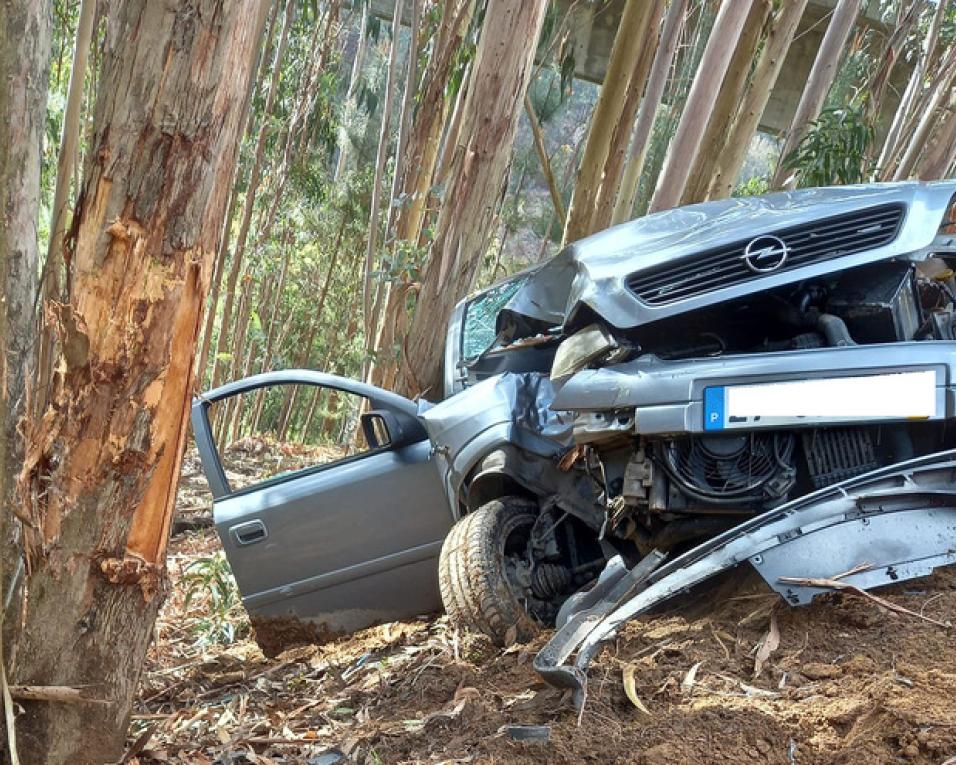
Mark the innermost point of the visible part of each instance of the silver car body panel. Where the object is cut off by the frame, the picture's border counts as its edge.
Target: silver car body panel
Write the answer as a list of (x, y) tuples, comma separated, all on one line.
[(333, 548), (507, 409), (591, 273), (668, 396), (887, 526)]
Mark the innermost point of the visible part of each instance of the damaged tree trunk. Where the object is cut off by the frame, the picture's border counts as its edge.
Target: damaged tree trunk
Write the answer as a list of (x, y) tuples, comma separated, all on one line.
[(99, 476)]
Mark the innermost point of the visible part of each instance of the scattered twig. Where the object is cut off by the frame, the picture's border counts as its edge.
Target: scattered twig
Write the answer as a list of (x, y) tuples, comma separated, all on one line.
[(61, 694), (138, 745), (835, 584)]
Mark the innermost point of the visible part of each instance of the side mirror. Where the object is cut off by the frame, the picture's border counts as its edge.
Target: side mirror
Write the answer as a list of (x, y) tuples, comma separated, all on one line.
[(383, 429)]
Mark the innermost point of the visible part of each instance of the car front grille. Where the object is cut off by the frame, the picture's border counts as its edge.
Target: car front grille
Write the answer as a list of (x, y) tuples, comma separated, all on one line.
[(806, 244)]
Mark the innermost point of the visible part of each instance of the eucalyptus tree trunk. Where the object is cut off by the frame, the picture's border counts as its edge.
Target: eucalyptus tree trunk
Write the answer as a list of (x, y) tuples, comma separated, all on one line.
[(358, 62), (502, 69), (728, 101), (653, 95), (430, 118), (97, 488), (914, 86), (542, 151), (821, 77), (252, 189), (223, 249), (940, 93), (421, 162), (701, 100), (766, 71), (940, 151), (625, 57), (384, 138), (615, 161), (24, 65)]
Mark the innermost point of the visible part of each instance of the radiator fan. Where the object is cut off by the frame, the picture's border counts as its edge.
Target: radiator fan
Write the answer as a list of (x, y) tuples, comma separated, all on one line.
[(745, 469)]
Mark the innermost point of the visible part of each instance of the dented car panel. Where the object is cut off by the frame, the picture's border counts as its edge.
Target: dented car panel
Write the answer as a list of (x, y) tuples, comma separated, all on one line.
[(507, 409), (592, 274), (887, 526)]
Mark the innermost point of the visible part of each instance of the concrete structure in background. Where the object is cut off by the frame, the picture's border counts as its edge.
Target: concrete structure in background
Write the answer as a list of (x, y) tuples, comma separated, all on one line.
[(594, 27)]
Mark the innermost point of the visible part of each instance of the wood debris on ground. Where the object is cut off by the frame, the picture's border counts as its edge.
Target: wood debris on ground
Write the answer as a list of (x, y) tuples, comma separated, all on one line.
[(846, 681)]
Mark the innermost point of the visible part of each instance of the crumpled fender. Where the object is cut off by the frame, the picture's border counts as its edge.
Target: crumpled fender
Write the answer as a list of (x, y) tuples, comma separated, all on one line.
[(887, 526)]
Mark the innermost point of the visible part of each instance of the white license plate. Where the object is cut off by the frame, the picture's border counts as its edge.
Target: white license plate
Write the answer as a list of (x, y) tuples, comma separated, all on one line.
[(897, 396)]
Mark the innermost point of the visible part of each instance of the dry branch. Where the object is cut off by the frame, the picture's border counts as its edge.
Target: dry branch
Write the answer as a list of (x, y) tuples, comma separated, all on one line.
[(836, 584)]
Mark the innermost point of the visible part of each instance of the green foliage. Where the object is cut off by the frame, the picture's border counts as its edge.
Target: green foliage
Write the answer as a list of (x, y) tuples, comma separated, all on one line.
[(753, 186), (834, 150), (210, 581)]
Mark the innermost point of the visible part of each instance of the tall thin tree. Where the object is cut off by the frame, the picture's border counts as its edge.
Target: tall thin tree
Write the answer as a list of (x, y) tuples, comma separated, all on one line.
[(821, 77), (685, 145)]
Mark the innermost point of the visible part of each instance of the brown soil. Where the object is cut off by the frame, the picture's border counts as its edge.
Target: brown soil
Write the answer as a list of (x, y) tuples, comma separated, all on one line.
[(849, 683)]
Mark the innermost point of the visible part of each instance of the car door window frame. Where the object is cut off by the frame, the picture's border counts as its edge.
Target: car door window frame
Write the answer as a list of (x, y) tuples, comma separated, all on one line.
[(209, 450)]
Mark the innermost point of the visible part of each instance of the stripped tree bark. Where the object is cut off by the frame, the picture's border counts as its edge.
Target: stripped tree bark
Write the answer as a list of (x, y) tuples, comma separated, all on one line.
[(821, 77), (684, 148), (754, 101), (98, 483), (499, 79), (625, 58), (653, 95), (728, 101), (542, 150)]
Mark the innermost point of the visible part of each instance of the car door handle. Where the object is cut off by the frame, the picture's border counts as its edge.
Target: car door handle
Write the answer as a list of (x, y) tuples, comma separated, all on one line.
[(249, 533)]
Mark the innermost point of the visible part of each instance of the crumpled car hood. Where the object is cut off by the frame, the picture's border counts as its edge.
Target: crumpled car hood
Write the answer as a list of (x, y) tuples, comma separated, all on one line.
[(590, 273)]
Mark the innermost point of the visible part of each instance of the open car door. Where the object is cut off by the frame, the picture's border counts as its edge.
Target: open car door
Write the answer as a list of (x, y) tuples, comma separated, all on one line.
[(328, 503)]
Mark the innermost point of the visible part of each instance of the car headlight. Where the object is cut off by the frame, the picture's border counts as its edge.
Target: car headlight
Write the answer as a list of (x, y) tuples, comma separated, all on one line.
[(579, 350)]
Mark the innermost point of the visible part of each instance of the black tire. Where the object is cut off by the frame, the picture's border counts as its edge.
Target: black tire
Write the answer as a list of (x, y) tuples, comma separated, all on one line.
[(471, 573)]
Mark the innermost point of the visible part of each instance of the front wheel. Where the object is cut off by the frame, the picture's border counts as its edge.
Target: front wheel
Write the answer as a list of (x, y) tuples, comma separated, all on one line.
[(475, 570)]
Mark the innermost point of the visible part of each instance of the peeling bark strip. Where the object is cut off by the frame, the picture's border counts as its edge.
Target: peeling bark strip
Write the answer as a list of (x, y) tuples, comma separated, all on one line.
[(99, 475)]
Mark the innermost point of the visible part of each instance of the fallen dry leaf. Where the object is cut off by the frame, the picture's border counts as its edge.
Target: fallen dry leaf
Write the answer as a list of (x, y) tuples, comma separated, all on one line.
[(769, 644), (631, 691)]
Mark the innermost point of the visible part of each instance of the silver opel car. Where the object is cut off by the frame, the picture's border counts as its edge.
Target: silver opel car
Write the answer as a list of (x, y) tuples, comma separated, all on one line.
[(662, 389)]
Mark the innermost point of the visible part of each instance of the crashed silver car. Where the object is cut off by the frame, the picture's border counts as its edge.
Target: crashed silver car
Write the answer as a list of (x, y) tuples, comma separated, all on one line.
[(769, 379)]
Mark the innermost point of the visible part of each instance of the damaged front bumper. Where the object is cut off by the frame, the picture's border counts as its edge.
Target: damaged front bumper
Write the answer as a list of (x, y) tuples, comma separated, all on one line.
[(887, 526)]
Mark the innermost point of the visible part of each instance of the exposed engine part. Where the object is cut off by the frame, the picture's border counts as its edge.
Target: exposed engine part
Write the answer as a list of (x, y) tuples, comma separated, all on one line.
[(550, 580), (749, 469), (838, 454), (880, 303), (644, 483), (834, 329)]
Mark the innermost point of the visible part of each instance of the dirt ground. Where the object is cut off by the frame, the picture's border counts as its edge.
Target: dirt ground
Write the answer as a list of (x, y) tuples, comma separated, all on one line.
[(848, 683)]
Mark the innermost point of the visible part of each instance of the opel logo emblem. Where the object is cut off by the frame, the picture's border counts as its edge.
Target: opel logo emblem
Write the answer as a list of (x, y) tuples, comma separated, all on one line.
[(765, 254)]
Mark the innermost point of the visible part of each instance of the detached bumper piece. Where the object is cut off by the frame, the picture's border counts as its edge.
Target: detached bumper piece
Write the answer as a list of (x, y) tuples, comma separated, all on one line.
[(887, 526)]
